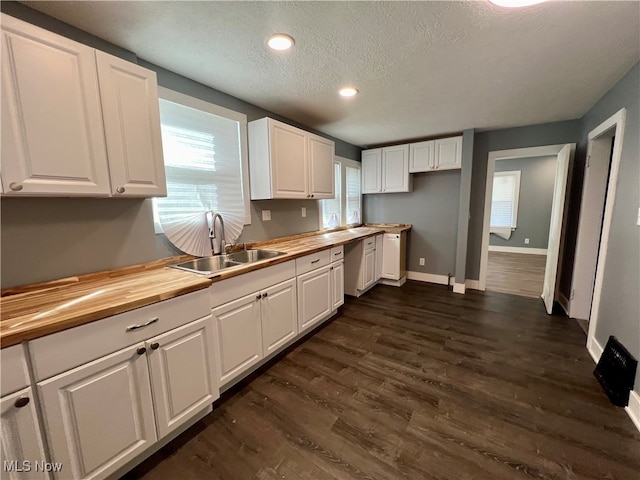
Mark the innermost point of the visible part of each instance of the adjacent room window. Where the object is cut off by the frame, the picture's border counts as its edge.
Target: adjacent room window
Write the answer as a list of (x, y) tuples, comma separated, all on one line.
[(345, 209), (205, 163), (504, 199)]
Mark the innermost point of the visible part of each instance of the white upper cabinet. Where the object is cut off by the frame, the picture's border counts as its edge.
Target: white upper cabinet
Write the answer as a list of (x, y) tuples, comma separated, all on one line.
[(131, 124), (441, 154), (70, 120), (386, 170), (287, 162), (52, 130)]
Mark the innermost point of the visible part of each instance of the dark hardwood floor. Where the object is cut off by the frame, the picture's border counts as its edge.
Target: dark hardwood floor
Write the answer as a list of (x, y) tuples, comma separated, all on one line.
[(417, 383)]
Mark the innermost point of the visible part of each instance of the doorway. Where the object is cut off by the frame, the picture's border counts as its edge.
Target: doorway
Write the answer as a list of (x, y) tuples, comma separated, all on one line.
[(596, 208), (564, 155)]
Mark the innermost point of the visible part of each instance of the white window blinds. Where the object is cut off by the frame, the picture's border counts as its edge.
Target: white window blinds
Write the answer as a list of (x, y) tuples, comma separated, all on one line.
[(332, 207), (504, 199), (203, 164), (354, 197)]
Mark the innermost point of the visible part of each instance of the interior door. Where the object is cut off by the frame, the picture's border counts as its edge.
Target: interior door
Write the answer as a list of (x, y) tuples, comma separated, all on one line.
[(555, 228)]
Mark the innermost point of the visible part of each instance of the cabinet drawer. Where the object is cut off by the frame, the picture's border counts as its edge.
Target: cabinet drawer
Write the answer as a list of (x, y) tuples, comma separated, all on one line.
[(337, 253), (369, 243), (311, 262), (235, 287), (15, 374), (62, 351)]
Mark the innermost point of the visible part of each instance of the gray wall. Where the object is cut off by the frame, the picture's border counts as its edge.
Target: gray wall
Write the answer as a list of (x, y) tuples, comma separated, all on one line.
[(466, 173), (619, 312), (534, 207), (58, 237), (432, 209), (521, 137)]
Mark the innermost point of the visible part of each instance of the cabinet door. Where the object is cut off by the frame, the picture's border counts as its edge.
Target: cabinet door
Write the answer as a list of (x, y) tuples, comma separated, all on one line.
[(52, 130), (99, 416), (321, 172), (391, 256), (448, 153), (379, 254), (337, 284), (129, 96), (239, 335), (314, 297), (21, 438), (288, 161), (372, 171), (184, 377), (421, 156), (368, 269), (279, 311), (395, 169)]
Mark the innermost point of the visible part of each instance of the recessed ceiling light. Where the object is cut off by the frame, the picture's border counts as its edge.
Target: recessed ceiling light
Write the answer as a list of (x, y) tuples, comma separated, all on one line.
[(516, 3), (348, 91), (280, 41)]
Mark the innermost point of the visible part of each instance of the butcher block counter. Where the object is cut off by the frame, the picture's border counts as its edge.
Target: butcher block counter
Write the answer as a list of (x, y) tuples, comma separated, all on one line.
[(55, 306)]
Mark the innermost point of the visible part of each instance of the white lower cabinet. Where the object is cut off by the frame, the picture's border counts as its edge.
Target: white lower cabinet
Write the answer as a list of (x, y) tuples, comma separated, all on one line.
[(369, 269), (315, 299), (337, 284), (379, 249), (279, 318), (21, 439), (362, 265), (99, 416)]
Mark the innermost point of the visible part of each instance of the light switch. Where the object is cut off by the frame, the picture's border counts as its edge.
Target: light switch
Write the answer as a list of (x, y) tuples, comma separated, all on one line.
[(266, 215), (526, 241), (304, 211), (638, 221)]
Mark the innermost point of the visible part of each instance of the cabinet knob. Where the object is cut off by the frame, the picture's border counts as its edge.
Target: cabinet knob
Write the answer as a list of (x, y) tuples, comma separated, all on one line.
[(16, 187), (264, 295), (141, 351), (21, 402), (155, 345), (312, 195), (120, 189), (258, 297)]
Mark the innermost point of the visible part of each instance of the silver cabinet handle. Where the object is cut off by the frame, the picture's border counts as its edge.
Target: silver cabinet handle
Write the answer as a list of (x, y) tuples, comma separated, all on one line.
[(137, 327), (316, 260), (120, 189), (16, 187)]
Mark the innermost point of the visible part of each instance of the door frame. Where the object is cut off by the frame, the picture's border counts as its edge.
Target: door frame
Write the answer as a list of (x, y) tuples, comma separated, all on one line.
[(617, 121), (541, 151)]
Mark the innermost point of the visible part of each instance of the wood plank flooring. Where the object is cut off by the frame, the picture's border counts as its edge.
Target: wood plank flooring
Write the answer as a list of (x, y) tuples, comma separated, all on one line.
[(516, 273), (417, 383)]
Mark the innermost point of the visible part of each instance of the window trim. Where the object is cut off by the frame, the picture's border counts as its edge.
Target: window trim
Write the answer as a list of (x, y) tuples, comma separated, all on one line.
[(192, 102), (516, 195), (344, 163)]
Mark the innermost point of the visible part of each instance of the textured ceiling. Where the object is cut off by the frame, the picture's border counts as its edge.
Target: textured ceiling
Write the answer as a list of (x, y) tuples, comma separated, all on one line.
[(423, 68)]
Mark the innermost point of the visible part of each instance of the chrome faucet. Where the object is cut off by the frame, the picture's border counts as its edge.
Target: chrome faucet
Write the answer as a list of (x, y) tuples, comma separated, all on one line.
[(213, 236)]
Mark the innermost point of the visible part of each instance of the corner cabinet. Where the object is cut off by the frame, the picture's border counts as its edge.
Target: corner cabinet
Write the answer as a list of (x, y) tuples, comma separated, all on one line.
[(441, 154), (287, 162), (97, 133), (386, 170)]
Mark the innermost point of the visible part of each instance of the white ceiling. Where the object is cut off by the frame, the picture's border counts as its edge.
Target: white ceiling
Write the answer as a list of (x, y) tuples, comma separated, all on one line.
[(423, 68)]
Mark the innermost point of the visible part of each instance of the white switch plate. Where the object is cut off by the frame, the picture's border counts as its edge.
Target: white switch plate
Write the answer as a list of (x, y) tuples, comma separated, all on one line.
[(638, 222), (526, 241), (422, 261), (266, 215), (304, 211)]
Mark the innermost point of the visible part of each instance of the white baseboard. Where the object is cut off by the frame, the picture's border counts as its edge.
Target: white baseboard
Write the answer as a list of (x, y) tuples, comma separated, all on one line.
[(528, 251), (473, 284), (458, 288), (429, 277), (633, 409), (564, 303), (393, 283), (594, 349)]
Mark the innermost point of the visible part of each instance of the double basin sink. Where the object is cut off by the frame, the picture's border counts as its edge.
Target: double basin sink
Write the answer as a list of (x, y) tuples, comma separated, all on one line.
[(209, 265)]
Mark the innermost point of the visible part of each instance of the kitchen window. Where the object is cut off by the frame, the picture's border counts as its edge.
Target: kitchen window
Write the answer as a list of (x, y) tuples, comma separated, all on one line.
[(345, 209), (205, 157), (504, 199)]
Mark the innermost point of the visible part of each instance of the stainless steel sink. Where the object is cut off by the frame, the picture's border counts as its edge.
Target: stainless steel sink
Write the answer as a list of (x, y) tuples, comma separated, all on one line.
[(209, 265), (250, 256)]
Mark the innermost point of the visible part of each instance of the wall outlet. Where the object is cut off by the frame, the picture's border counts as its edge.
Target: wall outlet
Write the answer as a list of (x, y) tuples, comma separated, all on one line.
[(266, 215), (304, 211), (422, 261), (638, 222), (526, 241)]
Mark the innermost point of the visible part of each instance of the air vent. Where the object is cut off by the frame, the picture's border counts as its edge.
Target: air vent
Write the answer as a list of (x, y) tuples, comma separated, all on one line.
[(616, 372)]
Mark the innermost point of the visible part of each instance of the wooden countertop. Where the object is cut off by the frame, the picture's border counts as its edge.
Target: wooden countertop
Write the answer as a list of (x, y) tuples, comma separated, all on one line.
[(33, 311), (390, 227)]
